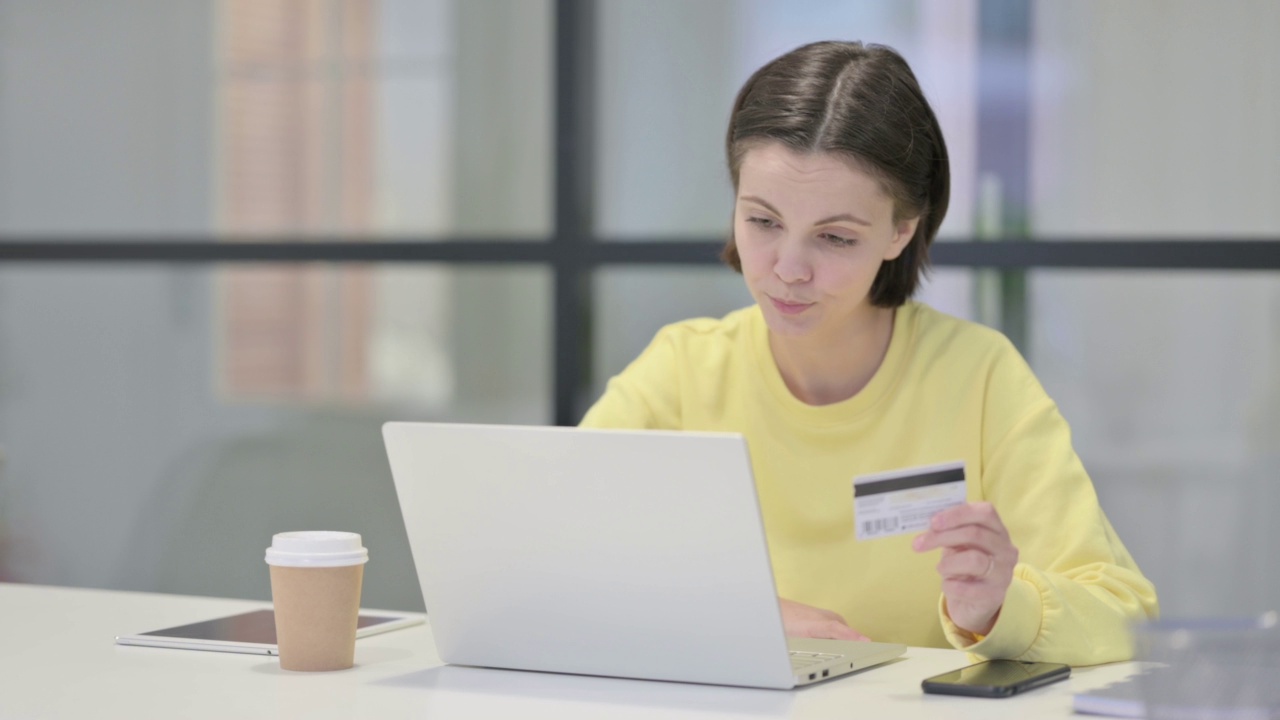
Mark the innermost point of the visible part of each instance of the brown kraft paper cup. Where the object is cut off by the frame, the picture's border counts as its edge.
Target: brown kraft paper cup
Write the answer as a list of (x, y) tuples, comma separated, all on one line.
[(316, 610)]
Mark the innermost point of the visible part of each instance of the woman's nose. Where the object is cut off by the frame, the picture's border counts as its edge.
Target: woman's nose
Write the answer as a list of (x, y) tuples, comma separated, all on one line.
[(792, 264)]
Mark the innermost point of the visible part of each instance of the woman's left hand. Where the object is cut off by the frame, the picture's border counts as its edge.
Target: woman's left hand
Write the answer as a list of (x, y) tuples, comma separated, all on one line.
[(977, 563)]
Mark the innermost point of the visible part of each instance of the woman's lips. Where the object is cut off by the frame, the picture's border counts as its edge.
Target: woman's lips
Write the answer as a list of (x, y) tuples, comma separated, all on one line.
[(787, 308)]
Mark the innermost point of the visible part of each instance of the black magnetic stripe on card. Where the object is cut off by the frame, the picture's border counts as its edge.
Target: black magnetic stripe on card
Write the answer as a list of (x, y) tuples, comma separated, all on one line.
[(938, 477)]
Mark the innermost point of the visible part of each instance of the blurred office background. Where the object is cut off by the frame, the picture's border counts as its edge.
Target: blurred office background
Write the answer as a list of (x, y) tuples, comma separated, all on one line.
[(238, 235)]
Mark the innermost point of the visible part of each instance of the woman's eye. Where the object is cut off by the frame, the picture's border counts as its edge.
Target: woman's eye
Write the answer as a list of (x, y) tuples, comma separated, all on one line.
[(762, 222), (838, 240)]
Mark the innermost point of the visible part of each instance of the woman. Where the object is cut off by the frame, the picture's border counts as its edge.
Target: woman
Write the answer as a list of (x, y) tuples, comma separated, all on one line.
[(841, 181)]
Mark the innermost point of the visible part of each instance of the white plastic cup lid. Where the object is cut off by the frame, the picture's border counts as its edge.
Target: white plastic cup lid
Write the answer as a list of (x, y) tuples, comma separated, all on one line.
[(317, 548)]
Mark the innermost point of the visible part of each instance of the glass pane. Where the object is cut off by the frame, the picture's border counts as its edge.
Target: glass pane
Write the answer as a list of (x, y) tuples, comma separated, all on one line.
[(1134, 135), (1171, 383), (669, 71), (633, 304), (951, 290), (328, 117), (158, 424)]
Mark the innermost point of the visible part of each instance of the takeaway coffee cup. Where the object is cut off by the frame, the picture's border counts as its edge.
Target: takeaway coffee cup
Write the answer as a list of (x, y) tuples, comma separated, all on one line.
[(315, 587)]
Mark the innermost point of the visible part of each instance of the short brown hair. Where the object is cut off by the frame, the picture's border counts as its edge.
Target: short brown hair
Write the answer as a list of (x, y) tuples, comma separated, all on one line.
[(864, 104)]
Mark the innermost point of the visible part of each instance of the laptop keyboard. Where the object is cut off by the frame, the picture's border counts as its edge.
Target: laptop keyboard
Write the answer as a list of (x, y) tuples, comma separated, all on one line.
[(801, 659)]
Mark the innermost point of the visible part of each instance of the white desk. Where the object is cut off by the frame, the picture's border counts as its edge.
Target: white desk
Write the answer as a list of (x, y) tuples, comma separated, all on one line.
[(58, 659)]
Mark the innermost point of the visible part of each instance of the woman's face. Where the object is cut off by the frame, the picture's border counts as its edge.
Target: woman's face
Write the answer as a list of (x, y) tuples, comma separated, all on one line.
[(811, 232)]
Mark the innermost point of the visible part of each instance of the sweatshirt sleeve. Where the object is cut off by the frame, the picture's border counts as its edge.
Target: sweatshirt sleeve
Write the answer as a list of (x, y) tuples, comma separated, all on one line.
[(1076, 590), (645, 395)]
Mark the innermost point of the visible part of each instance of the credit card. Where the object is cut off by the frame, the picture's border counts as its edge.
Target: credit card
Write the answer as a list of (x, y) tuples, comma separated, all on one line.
[(902, 501)]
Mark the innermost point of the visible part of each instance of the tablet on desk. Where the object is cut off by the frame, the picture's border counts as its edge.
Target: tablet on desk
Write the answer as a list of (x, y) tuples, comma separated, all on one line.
[(252, 632)]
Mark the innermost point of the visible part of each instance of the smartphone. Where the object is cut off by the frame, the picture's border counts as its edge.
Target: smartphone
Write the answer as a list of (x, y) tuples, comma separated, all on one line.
[(996, 678)]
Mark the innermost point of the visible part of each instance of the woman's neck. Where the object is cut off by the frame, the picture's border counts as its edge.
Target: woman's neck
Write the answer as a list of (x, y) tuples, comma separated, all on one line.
[(821, 370)]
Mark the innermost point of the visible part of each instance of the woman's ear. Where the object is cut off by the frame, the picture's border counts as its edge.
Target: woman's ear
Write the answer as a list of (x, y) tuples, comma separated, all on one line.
[(902, 235)]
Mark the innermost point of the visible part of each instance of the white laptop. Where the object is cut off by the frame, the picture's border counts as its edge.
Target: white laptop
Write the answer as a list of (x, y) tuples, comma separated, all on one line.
[(636, 554)]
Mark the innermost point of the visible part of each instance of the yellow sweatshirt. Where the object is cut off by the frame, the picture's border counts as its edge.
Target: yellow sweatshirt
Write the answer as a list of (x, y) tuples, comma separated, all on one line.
[(947, 390)]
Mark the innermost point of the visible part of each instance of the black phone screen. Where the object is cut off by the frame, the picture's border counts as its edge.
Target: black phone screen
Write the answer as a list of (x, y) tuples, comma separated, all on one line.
[(257, 626), (996, 678)]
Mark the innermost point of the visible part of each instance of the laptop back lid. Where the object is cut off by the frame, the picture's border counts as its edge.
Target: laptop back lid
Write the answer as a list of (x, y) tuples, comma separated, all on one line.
[(601, 552)]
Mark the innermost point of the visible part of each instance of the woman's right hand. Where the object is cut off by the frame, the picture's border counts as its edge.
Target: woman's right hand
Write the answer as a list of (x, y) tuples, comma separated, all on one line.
[(806, 621)]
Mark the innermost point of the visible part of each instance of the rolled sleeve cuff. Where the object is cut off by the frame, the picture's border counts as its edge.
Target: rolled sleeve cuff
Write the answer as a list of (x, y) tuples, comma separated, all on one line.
[(1015, 630)]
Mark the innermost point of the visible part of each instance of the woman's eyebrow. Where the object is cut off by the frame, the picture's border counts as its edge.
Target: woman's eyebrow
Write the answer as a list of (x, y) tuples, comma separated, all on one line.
[(842, 217)]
